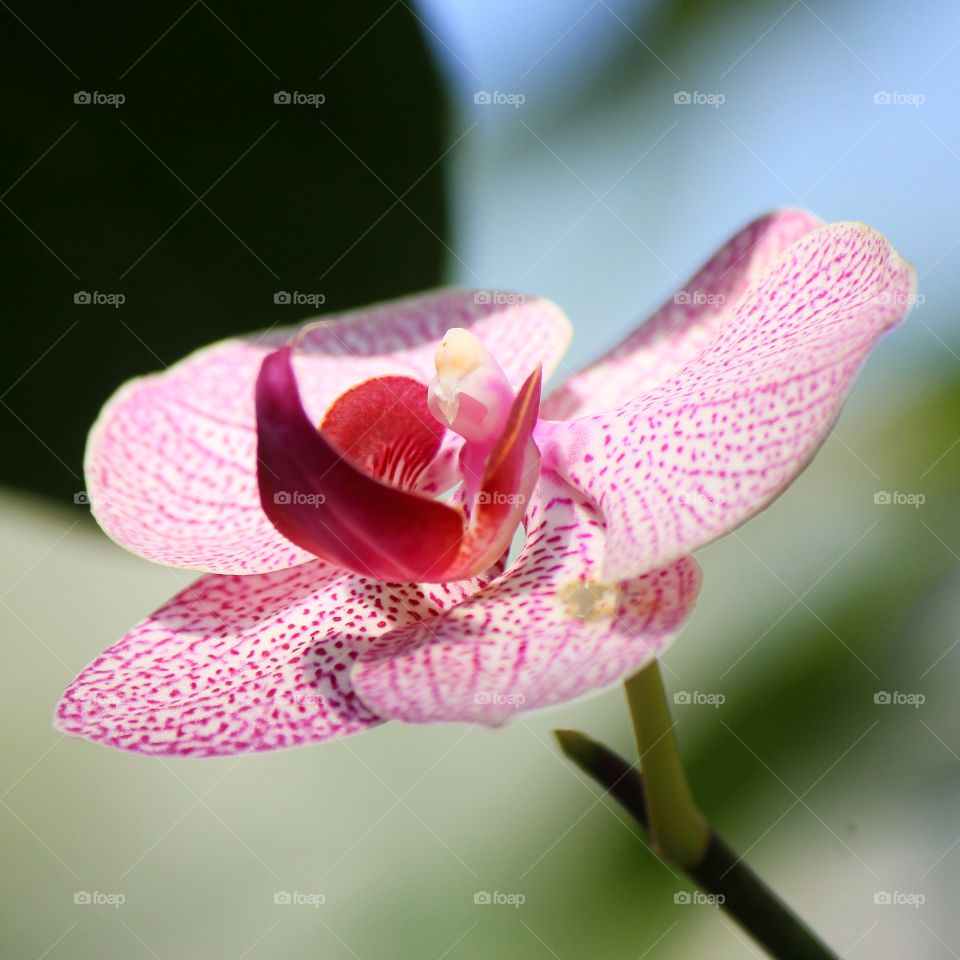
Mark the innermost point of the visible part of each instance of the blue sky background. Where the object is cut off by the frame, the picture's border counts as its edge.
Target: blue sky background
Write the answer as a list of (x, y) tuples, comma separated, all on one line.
[(606, 206)]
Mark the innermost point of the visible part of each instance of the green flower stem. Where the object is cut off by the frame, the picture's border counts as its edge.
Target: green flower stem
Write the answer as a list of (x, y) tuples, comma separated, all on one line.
[(678, 832), (738, 890)]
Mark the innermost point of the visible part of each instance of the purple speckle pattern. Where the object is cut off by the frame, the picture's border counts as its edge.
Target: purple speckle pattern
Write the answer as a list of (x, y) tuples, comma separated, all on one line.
[(661, 346), (691, 459), (170, 462), (239, 664), (543, 633)]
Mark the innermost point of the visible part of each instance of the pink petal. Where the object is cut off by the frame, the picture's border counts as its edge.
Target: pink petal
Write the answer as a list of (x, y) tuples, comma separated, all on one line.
[(543, 633), (684, 325), (170, 462), (243, 664), (510, 475), (688, 461)]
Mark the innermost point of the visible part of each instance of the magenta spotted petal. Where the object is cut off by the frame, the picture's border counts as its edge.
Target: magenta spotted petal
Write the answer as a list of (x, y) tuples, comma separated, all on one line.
[(545, 632), (171, 463), (240, 664), (692, 459), (663, 344)]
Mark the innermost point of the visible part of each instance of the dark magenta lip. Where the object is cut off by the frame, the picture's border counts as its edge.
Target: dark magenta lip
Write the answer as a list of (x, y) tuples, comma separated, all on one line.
[(324, 502)]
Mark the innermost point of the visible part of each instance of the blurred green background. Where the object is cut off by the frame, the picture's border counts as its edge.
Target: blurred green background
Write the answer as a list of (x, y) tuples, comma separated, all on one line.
[(603, 193)]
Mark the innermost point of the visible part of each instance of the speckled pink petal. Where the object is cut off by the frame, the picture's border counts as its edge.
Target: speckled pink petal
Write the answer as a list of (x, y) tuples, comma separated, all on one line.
[(543, 633), (697, 456), (683, 326), (170, 462), (243, 664)]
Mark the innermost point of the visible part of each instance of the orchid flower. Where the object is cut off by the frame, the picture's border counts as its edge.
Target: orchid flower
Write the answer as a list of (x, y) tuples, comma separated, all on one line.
[(351, 495)]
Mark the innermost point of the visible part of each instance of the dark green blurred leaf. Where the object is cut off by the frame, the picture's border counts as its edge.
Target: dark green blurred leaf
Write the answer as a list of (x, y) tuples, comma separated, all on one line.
[(292, 198)]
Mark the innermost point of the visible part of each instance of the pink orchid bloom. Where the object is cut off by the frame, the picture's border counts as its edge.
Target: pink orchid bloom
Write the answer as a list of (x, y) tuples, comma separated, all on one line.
[(341, 590)]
